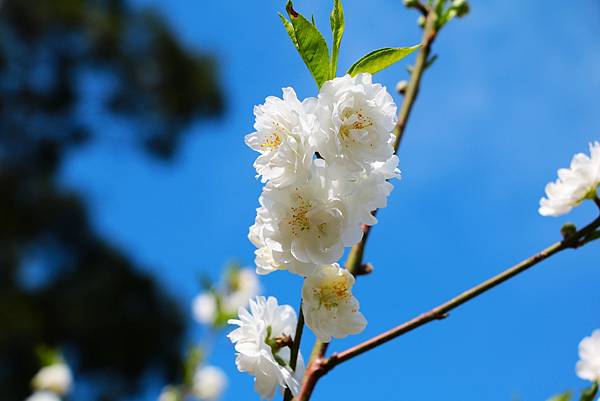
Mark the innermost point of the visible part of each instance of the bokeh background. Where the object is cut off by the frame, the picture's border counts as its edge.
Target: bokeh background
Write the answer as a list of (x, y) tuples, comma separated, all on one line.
[(124, 180)]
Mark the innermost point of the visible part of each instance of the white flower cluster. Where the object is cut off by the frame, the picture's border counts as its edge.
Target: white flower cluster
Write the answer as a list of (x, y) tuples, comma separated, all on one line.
[(326, 163), (574, 185), (51, 382)]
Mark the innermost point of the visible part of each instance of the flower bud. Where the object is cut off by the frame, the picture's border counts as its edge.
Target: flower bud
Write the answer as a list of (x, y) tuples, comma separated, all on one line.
[(401, 87)]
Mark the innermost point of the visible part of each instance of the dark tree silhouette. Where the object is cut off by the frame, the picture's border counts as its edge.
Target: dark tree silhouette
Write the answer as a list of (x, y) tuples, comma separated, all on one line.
[(95, 303)]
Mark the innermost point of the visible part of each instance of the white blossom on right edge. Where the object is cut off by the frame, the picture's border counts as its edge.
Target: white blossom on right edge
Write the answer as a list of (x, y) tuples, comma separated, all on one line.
[(574, 185), (256, 352), (588, 366), (355, 122), (329, 307)]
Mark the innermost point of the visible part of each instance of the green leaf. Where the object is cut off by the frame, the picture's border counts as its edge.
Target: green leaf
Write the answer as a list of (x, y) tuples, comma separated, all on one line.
[(289, 28), (311, 46), (589, 393), (379, 59), (192, 361), (337, 30), (561, 397)]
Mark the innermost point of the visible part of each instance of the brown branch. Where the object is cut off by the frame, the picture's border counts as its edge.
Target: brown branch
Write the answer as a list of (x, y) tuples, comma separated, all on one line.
[(324, 365)]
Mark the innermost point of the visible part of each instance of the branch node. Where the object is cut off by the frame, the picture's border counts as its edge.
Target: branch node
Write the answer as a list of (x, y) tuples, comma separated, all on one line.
[(363, 269)]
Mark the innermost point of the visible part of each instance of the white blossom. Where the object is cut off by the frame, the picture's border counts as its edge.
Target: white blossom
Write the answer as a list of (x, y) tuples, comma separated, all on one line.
[(169, 393), (588, 366), (254, 344), (264, 261), (209, 382), (574, 185), (56, 378), (307, 224), (329, 307), (43, 396), (355, 122), (204, 308), (244, 286), (283, 139)]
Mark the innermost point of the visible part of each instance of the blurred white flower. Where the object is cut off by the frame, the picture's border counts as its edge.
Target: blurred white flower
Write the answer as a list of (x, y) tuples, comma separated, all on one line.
[(56, 378), (204, 308), (169, 393), (282, 136), (588, 366), (356, 119), (209, 382), (43, 396), (256, 351), (244, 285), (329, 307), (574, 185)]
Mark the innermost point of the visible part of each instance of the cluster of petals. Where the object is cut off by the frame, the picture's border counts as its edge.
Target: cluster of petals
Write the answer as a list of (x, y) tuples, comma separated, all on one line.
[(256, 354), (329, 307), (575, 184), (588, 366), (326, 163)]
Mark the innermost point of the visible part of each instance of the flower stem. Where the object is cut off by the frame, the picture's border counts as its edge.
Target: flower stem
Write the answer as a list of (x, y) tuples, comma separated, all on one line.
[(324, 365), (295, 349)]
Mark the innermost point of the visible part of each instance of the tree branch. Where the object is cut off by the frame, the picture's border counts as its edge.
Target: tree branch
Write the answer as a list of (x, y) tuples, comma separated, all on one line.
[(324, 365), (597, 201)]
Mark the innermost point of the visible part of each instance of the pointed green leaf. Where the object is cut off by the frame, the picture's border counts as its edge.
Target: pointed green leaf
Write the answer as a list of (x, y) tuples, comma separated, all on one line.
[(561, 397), (589, 393), (379, 59), (337, 30), (311, 46), (289, 28)]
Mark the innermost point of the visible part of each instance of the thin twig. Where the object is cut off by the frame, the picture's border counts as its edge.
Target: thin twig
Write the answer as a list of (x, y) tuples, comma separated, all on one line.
[(355, 258), (322, 366), (287, 396), (597, 201)]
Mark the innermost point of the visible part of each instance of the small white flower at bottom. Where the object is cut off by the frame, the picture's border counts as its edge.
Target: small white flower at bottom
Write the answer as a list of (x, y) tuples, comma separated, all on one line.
[(209, 382), (588, 366), (169, 393), (56, 378), (574, 185), (43, 396), (256, 353), (329, 307)]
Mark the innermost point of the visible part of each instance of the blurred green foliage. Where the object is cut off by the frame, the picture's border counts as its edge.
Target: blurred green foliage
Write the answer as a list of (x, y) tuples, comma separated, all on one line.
[(113, 321)]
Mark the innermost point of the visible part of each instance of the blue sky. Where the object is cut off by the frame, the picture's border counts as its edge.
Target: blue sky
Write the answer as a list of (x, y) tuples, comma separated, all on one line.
[(513, 95)]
